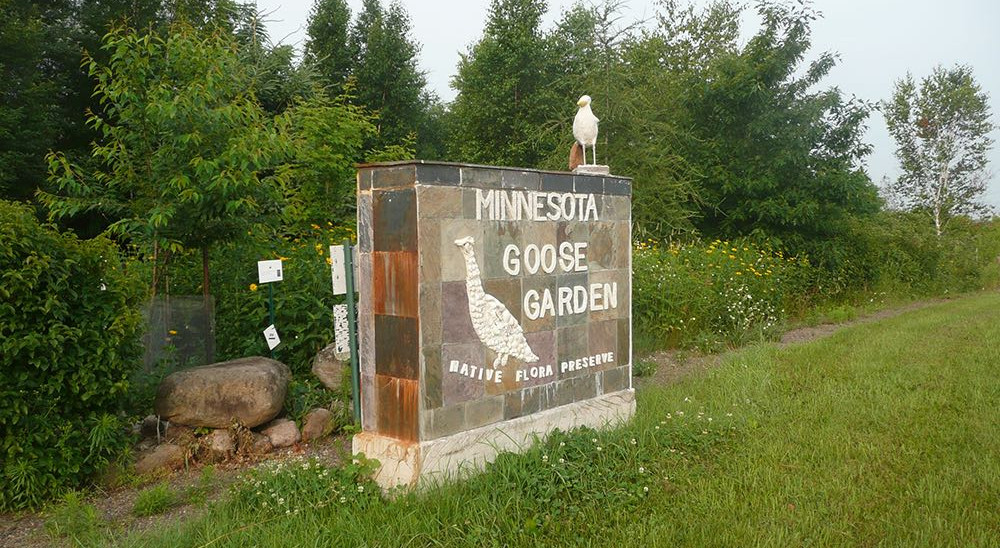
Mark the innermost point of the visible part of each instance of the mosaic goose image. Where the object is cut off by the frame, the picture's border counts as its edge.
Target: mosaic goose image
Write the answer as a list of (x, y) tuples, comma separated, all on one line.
[(495, 326)]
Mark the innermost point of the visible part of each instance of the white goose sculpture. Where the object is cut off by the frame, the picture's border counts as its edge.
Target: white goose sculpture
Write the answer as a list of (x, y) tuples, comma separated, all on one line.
[(495, 326)]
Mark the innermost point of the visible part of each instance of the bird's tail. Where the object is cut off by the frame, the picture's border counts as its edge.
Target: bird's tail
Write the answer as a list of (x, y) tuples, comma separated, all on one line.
[(575, 156)]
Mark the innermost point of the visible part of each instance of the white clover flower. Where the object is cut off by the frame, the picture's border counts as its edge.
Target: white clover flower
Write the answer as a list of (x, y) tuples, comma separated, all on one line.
[(545, 458), (343, 499), (642, 469), (593, 440), (562, 444), (361, 488), (599, 448), (561, 461), (632, 441), (645, 489)]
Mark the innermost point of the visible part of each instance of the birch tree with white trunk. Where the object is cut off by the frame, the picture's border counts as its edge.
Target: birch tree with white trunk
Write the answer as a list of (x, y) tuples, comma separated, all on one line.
[(941, 128)]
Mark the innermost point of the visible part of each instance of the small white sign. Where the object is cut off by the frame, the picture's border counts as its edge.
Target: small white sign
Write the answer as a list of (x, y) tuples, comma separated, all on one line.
[(269, 271), (337, 269), (342, 338), (271, 336)]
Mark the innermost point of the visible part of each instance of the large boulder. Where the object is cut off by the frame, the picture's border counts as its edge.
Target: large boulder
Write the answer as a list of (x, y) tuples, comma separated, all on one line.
[(250, 391), (330, 368)]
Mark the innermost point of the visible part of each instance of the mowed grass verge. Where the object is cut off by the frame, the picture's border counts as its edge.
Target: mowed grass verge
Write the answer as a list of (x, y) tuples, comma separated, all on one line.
[(884, 434)]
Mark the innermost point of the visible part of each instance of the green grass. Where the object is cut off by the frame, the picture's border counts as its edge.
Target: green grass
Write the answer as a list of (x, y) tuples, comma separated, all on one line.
[(884, 434)]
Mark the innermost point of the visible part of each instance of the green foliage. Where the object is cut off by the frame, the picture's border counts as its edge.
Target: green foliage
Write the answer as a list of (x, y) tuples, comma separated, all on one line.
[(326, 48), (385, 75), (303, 299), (942, 136), (69, 337), (186, 156), (75, 519), (306, 393), (725, 291), (502, 81), (155, 500), (327, 136)]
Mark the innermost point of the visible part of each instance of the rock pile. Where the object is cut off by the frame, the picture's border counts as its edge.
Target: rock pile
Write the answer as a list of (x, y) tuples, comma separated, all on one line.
[(217, 412)]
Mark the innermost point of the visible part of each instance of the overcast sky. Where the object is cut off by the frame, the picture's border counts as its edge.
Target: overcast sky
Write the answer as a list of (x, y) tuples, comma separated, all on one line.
[(878, 42)]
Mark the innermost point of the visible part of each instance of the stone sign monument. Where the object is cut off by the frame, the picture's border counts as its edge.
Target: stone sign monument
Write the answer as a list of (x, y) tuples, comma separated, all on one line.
[(494, 306)]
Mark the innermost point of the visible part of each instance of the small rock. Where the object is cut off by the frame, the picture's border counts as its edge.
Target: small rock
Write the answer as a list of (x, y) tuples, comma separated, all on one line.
[(261, 444), (180, 435), (162, 457), (221, 445), (317, 424), (152, 427), (282, 433), (329, 369)]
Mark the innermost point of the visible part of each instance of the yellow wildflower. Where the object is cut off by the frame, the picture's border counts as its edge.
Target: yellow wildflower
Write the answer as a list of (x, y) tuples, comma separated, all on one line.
[(253, 287), (172, 332)]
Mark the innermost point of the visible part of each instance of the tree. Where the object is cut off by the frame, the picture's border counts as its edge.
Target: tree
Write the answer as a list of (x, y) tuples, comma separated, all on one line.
[(942, 138), (326, 48), (186, 156), (386, 78), (501, 83), (778, 160)]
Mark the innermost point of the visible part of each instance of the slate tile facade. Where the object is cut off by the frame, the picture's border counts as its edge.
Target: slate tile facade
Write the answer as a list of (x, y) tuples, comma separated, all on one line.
[(426, 373)]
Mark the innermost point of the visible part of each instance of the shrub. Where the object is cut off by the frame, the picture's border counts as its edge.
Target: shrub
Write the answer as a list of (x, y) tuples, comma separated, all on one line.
[(74, 519), (728, 291), (69, 336)]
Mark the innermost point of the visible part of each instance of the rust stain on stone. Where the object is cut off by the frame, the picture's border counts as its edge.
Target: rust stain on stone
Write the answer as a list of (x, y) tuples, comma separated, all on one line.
[(397, 407), (395, 282)]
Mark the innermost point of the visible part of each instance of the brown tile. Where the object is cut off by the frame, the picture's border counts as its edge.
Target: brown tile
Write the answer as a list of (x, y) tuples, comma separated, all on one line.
[(624, 354), (397, 407), (453, 265), (430, 314), (456, 324), (617, 208), (397, 347), (444, 421), (394, 176), (430, 174), (520, 403), (430, 378), (603, 338), (455, 386), (572, 345), (484, 411), (623, 251), (394, 220), (365, 222), (484, 177), (369, 403), (499, 235), (439, 202), (603, 246), (395, 283), (429, 233), (614, 380)]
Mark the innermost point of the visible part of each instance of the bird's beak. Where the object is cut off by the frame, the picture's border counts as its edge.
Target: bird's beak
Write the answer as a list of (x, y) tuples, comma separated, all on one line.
[(581, 103)]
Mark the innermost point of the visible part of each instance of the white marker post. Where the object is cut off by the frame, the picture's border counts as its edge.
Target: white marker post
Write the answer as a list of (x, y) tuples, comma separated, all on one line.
[(268, 272)]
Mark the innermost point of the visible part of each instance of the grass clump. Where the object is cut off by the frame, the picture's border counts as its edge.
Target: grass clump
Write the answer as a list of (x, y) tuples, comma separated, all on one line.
[(74, 519), (155, 500)]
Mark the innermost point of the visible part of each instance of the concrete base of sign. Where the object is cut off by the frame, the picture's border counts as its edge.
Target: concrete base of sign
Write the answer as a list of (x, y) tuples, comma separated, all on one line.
[(592, 169), (413, 463)]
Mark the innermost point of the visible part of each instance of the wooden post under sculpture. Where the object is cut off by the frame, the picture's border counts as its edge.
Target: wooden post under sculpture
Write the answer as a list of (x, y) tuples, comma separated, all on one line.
[(494, 306)]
